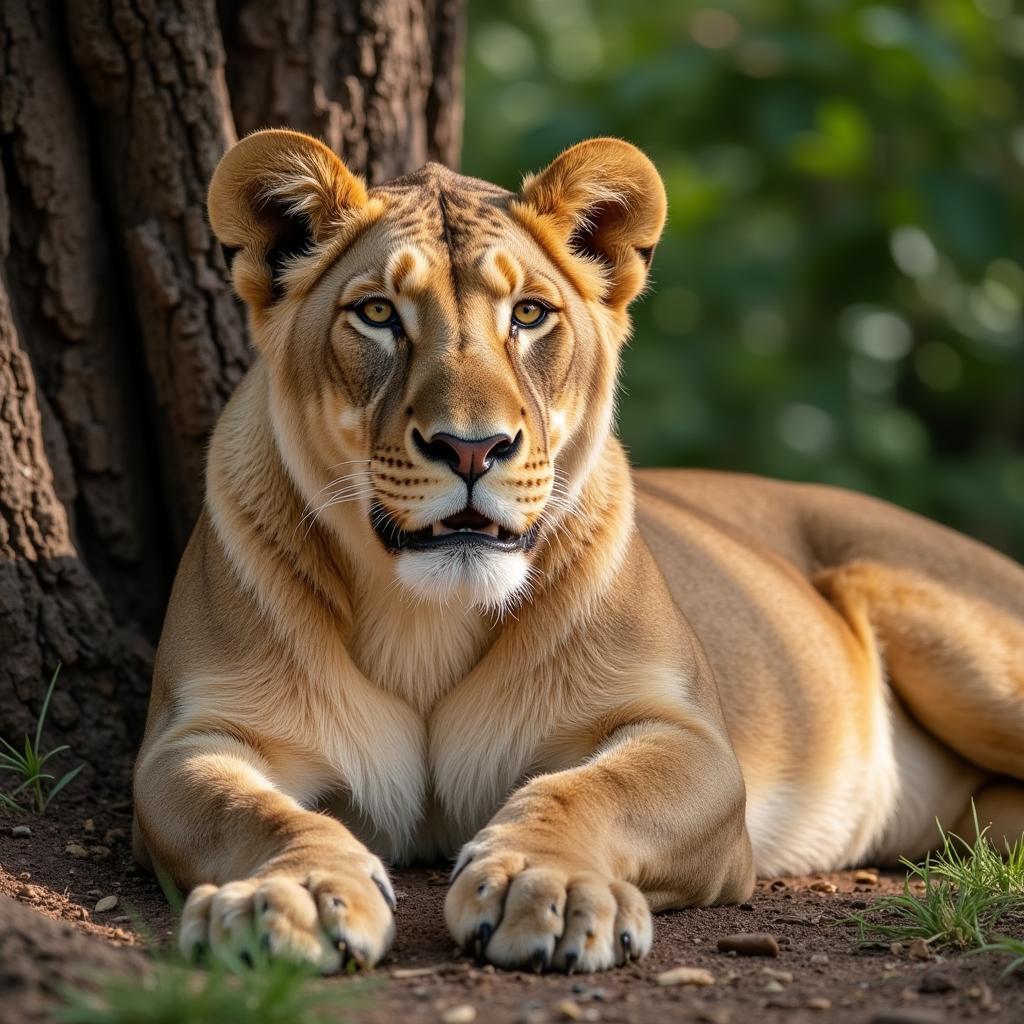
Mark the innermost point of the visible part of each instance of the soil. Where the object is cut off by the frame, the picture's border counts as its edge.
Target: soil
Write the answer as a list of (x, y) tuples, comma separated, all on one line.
[(821, 973)]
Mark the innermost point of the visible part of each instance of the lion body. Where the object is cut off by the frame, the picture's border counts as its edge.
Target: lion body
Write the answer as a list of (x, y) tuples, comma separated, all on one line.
[(632, 691)]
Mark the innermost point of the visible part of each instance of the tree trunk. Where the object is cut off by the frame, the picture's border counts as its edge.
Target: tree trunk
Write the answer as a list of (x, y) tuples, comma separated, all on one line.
[(120, 340), (379, 80), (50, 606)]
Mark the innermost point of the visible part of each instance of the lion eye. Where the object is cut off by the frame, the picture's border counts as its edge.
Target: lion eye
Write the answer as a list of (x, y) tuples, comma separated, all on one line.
[(377, 312), (528, 313)]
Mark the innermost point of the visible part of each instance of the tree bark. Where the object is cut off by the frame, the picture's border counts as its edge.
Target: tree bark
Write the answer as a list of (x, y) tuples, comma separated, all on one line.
[(155, 74), (51, 608), (120, 339), (75, 325), (379, 80)]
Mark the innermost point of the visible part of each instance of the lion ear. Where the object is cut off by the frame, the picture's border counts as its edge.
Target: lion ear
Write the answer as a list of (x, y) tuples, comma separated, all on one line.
[(606, 201), (273, 196)]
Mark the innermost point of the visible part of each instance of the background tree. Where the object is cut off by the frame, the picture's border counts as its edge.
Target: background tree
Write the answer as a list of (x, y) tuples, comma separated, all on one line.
[(120, 340)]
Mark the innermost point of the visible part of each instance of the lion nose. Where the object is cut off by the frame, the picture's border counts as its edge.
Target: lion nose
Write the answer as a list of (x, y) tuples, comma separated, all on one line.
[(468, 458)]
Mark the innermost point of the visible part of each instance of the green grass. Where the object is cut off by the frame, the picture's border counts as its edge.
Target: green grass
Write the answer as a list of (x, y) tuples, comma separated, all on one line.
[(964, 893), (231, 990), (219, 987), (36, 788), (1007, 946)]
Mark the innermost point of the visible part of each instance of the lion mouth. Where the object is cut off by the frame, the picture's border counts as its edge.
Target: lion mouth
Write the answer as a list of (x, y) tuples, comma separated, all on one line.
[(465, 528)]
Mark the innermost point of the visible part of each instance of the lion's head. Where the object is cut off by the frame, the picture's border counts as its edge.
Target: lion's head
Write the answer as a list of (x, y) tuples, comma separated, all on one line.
[(442, 353)]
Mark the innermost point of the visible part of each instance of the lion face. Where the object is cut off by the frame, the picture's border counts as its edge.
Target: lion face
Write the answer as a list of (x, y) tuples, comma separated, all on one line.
[(443, 353)]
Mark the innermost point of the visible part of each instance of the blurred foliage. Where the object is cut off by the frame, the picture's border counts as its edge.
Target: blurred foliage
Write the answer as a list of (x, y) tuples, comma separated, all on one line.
[(838, 295)]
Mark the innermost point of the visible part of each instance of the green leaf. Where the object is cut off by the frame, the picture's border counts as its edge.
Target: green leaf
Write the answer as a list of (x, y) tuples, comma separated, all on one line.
[(65, 779), (56, 750), (12, 765), (46, 704), (13, 750), (20, 789), (6, 801)]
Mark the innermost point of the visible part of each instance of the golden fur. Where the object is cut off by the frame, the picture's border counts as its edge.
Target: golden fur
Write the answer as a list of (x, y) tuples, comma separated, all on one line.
[(623, 692)]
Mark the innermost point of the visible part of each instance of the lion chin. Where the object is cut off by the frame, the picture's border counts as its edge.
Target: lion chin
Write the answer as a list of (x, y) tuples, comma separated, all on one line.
[(468, 575)]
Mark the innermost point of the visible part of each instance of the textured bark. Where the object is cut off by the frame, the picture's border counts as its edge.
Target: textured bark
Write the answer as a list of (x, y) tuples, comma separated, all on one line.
[(76, 327), (120, 339), (378, 80), (154, 69), (51, 608)]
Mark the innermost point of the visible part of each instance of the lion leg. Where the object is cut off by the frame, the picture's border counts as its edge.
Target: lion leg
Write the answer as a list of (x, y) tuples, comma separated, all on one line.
[(263, 870), (956, 661), (567, 872)]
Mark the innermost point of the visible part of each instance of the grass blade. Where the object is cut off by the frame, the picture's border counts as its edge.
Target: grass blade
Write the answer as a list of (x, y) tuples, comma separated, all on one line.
[(967, 890), (9, 764), (56, 750), (28, 765), (65, 779), (46, 705), (14, 752), (6, 801)]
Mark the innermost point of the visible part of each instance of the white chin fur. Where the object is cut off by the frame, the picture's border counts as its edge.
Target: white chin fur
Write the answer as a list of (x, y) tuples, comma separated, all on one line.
[(472, 576)]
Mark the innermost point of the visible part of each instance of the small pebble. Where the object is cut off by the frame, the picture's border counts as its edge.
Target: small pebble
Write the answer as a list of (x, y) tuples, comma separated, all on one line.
[(823, 886), (866, 878), (749, 945), (772, 986), (859, 904), (935, 980), (819, 958), (783, 976), (919, 950), (76, 850), (401, 973), (21, 832), (568, 1010), (464, 1014), (686, 976), (533, 1015), (818, 1003), (105, 904), (983, 994)]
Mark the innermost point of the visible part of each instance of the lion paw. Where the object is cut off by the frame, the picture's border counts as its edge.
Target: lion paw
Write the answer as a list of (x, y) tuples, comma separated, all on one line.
[(521, 913), (329, 918)]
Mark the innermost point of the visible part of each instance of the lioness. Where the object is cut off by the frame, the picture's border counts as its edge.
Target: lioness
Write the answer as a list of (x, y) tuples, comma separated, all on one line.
[(429, 611)]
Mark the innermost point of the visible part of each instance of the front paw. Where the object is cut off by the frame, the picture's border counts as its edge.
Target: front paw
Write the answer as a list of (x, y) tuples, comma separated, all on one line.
[(522, 911), (327, 918)]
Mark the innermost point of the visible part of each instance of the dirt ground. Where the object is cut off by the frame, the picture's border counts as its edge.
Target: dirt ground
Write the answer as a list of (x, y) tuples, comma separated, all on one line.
[(81, 853)]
